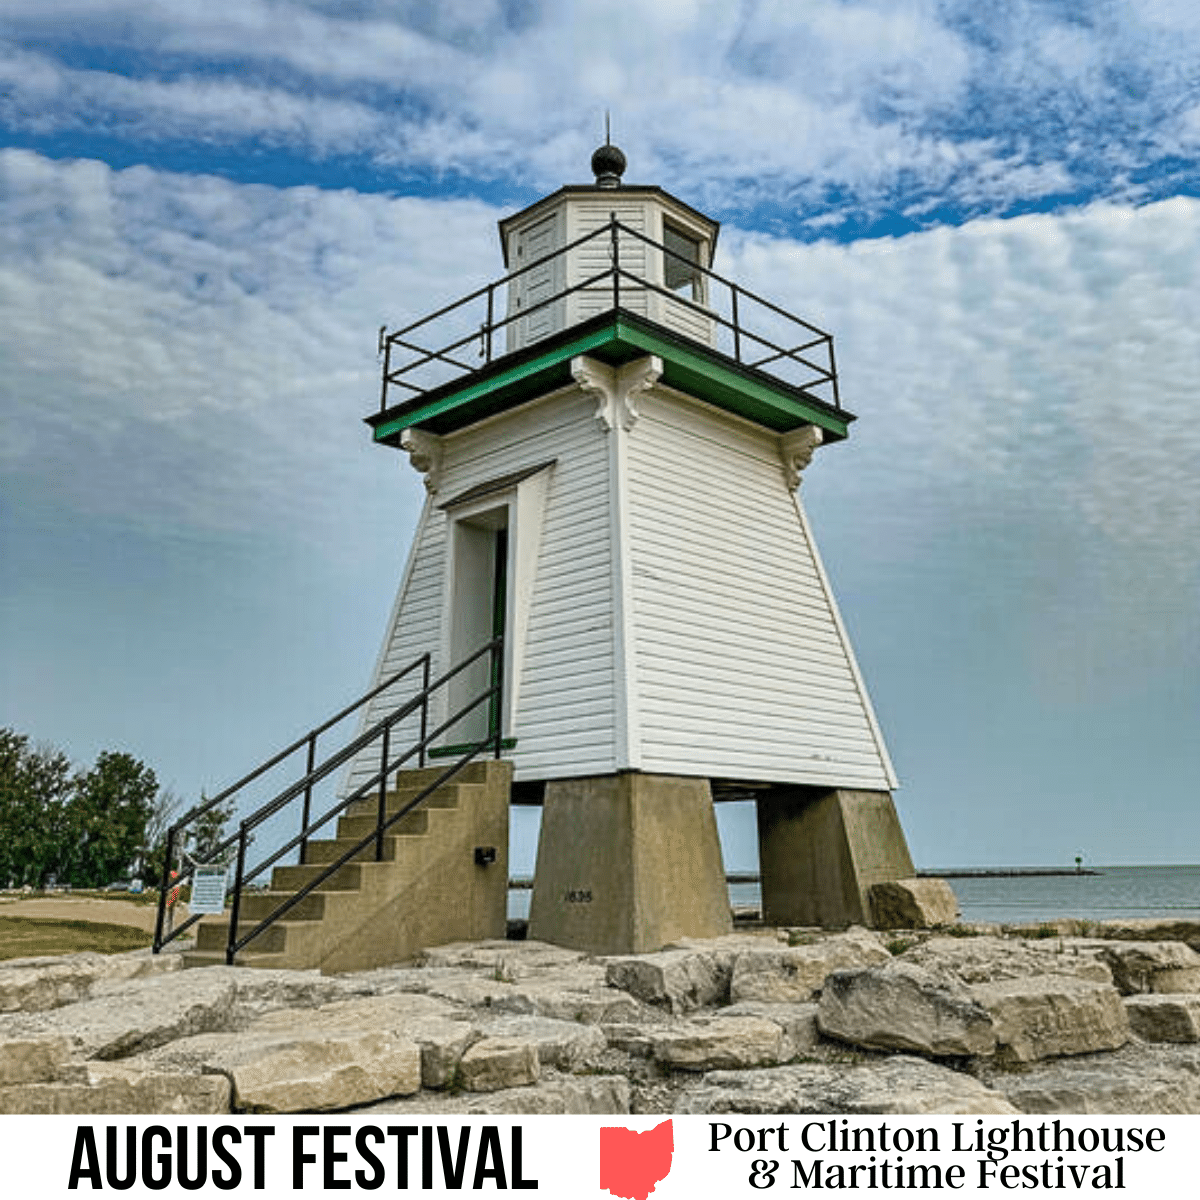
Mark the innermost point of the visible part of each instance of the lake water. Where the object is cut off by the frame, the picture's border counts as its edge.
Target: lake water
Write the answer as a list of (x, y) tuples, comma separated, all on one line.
[(1115, 892)]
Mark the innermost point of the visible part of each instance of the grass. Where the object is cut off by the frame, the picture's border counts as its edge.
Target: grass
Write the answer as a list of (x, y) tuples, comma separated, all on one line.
[(27, 937)]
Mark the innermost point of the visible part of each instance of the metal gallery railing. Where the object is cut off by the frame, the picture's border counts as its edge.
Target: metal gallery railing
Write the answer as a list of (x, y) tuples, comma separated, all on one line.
[(460, 339)]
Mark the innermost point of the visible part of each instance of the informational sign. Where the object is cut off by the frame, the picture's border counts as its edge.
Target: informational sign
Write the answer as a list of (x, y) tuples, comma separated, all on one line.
[(208, 890)]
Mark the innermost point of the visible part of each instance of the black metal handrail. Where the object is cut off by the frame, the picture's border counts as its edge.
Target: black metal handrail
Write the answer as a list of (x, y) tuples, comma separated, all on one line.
[(379, 732), (811, 352)]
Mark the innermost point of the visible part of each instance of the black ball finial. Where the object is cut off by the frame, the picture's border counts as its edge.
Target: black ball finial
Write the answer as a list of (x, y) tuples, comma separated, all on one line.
[(608, 165)]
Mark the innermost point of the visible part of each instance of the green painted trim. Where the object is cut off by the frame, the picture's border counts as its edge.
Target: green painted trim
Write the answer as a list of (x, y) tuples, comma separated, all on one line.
[(451, 751), (745, 396), (708, 376), (514, 375)]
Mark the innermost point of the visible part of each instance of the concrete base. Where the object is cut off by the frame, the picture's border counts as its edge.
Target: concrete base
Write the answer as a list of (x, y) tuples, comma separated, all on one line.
[(819, 854), (627, 863)]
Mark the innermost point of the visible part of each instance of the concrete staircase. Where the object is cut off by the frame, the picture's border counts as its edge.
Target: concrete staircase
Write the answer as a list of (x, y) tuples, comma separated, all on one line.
[(427, 890)]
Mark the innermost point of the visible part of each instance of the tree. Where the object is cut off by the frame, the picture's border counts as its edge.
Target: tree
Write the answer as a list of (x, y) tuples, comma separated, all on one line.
[(207, 832), (86, 828), (107, 819), (35, 793)]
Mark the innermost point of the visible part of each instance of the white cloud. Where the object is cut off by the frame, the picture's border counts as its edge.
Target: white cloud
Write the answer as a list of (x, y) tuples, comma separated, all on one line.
[(737, 104), (189, 353), (193, 354), (1028, 399)]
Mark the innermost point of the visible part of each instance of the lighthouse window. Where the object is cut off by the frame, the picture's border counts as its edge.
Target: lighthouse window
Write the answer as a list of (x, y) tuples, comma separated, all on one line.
[(682, 260)]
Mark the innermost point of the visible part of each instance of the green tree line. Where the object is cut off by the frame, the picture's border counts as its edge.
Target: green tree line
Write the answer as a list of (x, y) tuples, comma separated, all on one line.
[(86, 828)]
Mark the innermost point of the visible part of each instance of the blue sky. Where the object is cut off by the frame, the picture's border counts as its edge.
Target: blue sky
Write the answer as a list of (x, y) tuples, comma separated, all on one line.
[(207, 211)]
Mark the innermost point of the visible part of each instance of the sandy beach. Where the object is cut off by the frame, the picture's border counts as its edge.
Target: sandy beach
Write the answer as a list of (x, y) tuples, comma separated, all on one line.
[(80, 908)]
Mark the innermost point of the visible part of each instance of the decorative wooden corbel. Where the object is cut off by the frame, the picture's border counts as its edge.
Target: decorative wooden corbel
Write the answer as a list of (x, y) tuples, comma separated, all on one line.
[(425, 454), (796, 450), (616, 390)]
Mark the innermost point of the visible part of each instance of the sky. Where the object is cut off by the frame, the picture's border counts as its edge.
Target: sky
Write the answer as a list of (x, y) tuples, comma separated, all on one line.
[(207, 211)]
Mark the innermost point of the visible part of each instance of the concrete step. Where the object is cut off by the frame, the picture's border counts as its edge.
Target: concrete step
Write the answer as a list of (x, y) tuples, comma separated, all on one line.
[(474, 772), (245, 958), (213, 935), (257, 905), (291, 879), (354, 829), (444, 797), (331, 850)]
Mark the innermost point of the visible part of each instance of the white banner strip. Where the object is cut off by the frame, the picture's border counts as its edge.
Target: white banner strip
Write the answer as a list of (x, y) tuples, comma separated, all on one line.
[(630, 1157)]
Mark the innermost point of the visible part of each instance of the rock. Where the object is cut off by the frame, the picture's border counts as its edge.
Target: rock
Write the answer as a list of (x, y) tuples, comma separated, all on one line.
[(797, 1022), (904, 1007), (40, 984), (143, 1014), (35, 1058), (706, 1043), (425, 1020), (600, 1095), (319, 1072), (680, 980), (1046, 1016), (28, 988), (894, 1085), (635, 1039), (1164, 1018), (1142, 1079), (557, 999), (567, 1045), (478, 992), (1151, 929), (103, 1087), (1153, 967), (497, 1062), (912, 904), (984, 959), (510, 961), (787, 974)]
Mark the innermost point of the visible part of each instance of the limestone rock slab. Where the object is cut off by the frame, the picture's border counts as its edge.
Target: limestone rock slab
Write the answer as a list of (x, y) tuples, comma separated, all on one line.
[(1047, 1016), (912, 903), (599, 1095), (563, 1000), (797, 1022), (330, 1070), (788, 974), (1142, 1079), (145, 1013), (509, 960), (680, 980), (109, 1087), (900, 1084), (499, 1062), (427, 1021), (984, 959), (567, 1045), (33, 1058), (1164, 966), (708, 1043), (903, 1007), (1164, 1018)]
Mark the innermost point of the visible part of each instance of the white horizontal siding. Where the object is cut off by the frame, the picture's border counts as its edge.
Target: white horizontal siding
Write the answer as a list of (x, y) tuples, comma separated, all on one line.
[(595, 257), (415, 628), (741, 665)]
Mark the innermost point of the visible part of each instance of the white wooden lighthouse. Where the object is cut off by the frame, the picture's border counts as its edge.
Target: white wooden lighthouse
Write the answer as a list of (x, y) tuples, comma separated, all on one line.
[(612, 439)]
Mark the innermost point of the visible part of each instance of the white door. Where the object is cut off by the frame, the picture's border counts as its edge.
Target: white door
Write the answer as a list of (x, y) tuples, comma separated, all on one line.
[(530, 294)]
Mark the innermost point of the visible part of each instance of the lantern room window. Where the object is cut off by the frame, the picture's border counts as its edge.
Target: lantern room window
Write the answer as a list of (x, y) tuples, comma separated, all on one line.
[(681, 263)]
